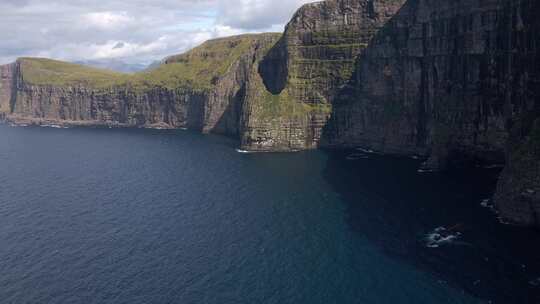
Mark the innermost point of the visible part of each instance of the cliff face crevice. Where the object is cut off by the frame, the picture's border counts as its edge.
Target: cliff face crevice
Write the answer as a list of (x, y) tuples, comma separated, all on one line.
[(518, 192)]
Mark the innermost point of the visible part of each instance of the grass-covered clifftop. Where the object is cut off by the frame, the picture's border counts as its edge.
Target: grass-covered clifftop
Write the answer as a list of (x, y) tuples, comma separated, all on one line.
[(196, 69), (42, 71)]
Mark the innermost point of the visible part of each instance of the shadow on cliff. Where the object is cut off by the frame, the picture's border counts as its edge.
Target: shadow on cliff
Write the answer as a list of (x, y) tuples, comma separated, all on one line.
[(395, 207), (273, 69), (346, 125), (398, 102), (229, 122)]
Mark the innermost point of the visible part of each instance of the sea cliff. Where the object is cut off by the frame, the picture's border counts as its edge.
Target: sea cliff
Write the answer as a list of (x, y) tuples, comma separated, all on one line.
[(202, 90), (454, 82)]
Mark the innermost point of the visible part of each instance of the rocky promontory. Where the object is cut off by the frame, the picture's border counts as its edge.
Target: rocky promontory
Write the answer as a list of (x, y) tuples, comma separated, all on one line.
[(202, 89)]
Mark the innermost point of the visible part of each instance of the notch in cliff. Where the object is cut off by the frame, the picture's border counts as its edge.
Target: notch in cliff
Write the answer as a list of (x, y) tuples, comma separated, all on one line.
[(314, 61)]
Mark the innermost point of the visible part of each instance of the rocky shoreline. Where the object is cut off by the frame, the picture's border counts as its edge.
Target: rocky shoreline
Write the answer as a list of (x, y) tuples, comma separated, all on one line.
[(16, 121)]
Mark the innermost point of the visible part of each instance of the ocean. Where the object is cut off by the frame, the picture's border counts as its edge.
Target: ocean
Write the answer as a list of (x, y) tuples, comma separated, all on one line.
[(161, 216)]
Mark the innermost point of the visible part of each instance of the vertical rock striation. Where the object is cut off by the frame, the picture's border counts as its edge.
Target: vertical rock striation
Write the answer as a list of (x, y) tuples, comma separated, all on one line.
[(518, 192), (455, 81), (429, 84), (203, 90), (7, 81), (116, 106), (306, 69)]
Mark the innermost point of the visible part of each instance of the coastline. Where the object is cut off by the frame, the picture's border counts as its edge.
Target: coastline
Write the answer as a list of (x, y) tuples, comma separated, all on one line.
[(18, 121)]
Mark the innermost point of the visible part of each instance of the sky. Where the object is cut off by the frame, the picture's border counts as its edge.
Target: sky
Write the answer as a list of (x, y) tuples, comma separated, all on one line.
[(134, 31)]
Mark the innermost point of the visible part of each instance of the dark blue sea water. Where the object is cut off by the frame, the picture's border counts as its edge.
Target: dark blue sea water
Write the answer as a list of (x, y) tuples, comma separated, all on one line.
[(143, 216)]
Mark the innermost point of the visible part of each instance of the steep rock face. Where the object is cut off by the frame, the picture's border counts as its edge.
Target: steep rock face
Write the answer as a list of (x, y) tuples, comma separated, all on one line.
[(455, 81), (82, 106), (430, 84), (307, 67), (518, 192), (202, 90), (7, 73)]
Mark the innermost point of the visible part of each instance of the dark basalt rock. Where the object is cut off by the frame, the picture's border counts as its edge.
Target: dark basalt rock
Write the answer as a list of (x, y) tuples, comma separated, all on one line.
[(7, 88), (458, 82), (428, 84), (518, 193)]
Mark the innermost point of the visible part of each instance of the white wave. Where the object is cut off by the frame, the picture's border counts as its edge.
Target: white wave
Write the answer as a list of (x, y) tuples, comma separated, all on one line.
[(441, 236), (365, 150), (368, 151), (486, 203), (18, 125), (503, 221), (535, 282), (244, 151), (54, 126)]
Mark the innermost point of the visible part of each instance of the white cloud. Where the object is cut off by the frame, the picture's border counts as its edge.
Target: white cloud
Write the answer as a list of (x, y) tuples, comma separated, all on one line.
[(147, 30), (257, 14), (107, 20)]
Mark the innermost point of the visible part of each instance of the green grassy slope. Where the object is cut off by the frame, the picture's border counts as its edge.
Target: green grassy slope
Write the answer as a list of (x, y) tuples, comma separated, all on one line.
[(41, 71), (196, 69)]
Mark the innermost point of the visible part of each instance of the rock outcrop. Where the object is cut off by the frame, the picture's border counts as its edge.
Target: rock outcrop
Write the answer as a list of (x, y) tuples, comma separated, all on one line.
[(306, 69), (518, 192), (114, 107), (7, 81)]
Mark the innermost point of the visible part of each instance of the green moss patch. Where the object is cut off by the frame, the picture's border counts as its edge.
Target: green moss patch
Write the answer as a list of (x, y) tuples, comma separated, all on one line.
[(198, 69), (283, 105), (40, 71)]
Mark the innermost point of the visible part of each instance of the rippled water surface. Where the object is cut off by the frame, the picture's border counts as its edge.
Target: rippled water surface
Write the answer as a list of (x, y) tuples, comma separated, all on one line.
[(140, 216)]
